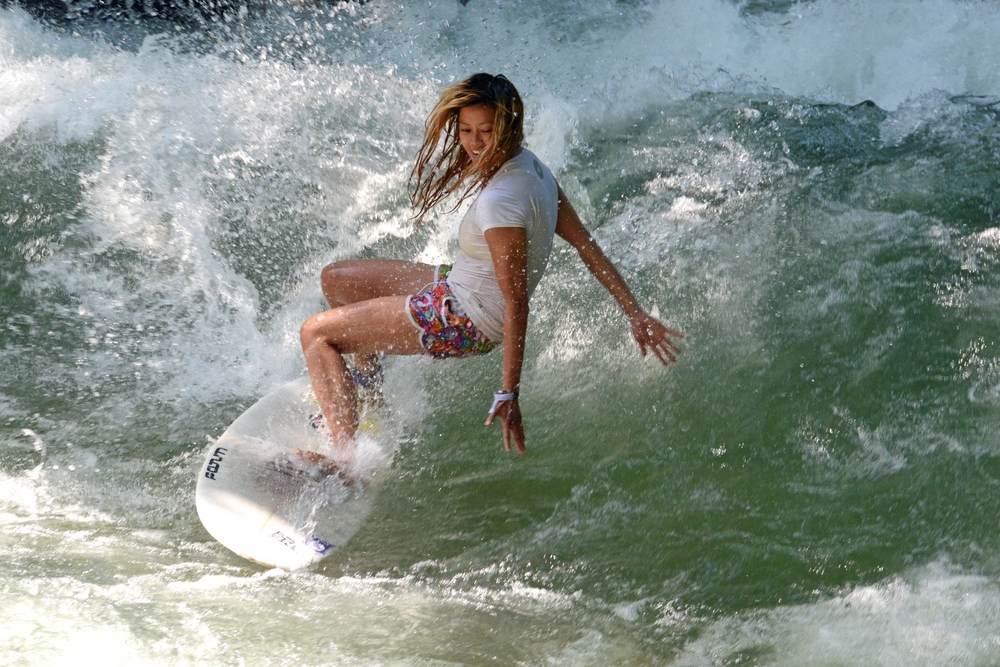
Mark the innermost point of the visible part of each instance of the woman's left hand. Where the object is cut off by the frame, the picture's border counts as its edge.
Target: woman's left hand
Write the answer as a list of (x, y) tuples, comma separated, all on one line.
[(509, 413), (652, 335)]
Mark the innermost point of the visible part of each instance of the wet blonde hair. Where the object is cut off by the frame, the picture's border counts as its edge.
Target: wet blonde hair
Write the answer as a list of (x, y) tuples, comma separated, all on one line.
[(438, 174)]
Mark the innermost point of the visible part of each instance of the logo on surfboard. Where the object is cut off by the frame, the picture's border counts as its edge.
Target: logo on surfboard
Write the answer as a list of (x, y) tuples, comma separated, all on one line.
[(283, 539), (215, 462), (317, 545)]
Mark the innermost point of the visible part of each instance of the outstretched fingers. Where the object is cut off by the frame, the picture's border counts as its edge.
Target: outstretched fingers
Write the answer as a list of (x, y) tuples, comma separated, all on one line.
[(665, 349), (652, 335)]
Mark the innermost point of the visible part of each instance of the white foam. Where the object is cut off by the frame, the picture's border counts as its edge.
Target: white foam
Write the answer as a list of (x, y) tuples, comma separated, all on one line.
[(935, 615), (176, 127), (604, 60)]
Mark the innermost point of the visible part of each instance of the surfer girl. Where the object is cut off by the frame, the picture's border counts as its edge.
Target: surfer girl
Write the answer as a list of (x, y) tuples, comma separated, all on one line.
[(472, 148)]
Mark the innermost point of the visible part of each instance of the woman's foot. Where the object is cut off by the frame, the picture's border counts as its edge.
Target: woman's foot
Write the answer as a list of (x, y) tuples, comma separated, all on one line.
[(342, 469)]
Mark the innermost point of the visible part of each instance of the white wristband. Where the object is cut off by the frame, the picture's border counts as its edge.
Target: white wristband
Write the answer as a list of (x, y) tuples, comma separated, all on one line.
[(501, 396)]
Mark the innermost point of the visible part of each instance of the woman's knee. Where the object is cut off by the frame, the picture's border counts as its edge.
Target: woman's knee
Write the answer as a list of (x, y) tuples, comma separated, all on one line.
[(336, 282), (307, 333), (316, 329)]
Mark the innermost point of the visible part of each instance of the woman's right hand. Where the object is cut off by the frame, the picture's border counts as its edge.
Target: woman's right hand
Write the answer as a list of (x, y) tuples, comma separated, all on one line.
[(509, 413)]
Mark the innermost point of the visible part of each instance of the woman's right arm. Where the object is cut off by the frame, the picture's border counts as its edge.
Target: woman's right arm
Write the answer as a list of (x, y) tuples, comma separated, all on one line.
[(648, 332)]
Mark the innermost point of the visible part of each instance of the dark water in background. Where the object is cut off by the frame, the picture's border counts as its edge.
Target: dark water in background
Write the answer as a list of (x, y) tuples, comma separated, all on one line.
[(808, 190)]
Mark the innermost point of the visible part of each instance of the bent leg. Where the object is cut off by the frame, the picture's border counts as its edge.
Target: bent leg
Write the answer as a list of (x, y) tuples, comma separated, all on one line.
[(355, 280), (370, 327)]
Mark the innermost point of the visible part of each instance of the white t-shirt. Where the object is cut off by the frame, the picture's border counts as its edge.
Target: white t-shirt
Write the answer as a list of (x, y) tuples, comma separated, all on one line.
[(523, 193)]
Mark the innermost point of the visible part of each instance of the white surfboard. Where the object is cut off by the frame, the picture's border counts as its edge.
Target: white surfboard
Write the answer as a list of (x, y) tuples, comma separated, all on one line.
[(257, 497)]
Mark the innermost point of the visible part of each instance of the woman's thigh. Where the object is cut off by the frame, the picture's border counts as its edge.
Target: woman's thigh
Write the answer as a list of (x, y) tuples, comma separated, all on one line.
[(380, 325), (355, 280)]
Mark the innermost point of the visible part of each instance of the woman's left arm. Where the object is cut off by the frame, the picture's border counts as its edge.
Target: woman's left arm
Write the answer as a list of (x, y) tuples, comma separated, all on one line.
[(648, 332), (509, 250)]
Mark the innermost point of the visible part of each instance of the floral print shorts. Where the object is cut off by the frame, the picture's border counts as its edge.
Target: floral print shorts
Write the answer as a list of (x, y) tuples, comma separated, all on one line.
[(446, 329)]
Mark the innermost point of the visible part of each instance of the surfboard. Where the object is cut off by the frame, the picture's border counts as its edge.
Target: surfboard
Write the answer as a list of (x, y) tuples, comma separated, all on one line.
[(260, 499)]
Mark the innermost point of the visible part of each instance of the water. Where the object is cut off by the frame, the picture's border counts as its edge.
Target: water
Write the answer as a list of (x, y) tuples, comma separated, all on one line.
[(809, 190)]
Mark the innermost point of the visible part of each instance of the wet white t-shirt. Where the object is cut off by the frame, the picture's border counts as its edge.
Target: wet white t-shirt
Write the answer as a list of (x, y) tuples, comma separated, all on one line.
[(523, 193)]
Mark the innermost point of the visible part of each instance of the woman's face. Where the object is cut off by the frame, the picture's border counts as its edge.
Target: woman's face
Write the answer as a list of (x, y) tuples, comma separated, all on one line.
[(475, 129)]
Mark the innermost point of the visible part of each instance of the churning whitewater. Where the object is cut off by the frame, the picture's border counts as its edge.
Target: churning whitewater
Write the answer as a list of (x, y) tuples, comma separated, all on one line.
[(808, 190)]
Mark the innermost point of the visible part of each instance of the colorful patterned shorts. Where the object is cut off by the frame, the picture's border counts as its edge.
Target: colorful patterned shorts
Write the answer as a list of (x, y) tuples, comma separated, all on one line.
[(447, 330)]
